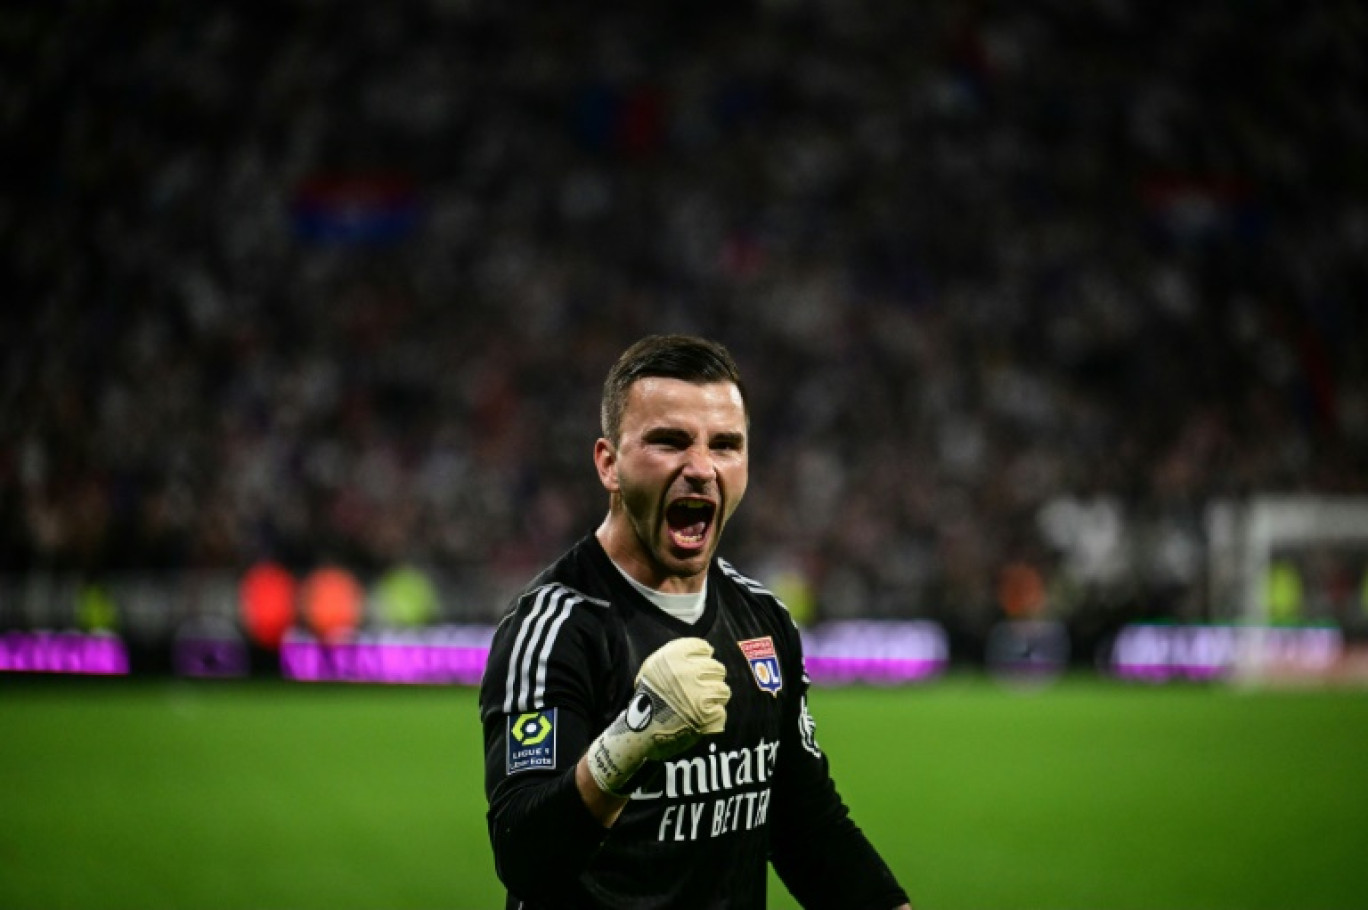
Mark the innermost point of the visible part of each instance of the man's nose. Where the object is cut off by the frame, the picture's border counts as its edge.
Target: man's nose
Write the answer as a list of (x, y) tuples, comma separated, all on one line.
[(699, 465)]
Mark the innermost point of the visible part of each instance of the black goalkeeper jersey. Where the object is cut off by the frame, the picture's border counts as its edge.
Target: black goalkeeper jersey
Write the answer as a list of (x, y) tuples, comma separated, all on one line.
[(700, 827)]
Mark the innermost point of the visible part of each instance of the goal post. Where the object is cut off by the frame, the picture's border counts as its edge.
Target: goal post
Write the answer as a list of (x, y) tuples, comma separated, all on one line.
[(1246, 539), (1290, 571)]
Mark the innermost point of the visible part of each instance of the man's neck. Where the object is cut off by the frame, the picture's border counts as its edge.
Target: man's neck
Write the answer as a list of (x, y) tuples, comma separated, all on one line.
[(623, 548)]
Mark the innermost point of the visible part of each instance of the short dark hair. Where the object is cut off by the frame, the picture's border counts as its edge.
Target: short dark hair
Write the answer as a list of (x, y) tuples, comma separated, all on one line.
[(686, 357)]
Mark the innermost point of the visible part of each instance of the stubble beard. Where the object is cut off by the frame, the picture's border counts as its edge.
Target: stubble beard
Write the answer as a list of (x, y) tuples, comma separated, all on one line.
[(652, 535)]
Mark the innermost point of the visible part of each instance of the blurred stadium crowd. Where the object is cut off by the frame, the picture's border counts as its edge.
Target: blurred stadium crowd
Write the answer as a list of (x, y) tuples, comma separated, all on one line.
[(1019, 288)]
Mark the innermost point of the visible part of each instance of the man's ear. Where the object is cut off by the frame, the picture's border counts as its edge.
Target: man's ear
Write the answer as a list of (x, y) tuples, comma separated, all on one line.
[(605, 460)]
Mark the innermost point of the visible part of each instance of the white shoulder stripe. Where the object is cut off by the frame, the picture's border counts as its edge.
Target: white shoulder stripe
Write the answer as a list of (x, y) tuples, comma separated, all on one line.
[(539, 694), (742, 580), (754, 587), (532, 648), (519, 645)]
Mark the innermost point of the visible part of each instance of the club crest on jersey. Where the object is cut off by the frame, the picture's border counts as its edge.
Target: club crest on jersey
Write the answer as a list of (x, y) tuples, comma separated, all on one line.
[(764, 663), (532, 741)]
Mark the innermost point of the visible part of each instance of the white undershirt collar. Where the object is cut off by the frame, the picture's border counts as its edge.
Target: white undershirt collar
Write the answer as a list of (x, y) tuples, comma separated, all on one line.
[(685, 607)]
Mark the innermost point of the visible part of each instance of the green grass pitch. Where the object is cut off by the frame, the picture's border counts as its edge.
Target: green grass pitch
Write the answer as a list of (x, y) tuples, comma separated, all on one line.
[(152, 795)]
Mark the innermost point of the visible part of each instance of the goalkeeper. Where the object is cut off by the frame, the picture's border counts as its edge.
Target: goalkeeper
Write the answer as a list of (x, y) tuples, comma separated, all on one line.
[(647, 737)]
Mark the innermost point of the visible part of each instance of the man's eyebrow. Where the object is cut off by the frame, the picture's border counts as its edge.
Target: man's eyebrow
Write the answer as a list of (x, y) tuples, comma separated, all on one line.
[(665, 431), (729, 438)]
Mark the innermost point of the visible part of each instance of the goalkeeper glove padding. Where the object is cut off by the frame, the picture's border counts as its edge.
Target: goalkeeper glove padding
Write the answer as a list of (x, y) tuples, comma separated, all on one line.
[(681, 695)]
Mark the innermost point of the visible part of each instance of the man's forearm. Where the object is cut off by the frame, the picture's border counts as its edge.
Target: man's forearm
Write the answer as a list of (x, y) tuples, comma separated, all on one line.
[(602, 805)]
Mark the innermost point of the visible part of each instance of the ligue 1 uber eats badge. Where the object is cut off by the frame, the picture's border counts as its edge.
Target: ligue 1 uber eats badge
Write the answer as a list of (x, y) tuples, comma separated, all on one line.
[(532, 740), (764, 663)]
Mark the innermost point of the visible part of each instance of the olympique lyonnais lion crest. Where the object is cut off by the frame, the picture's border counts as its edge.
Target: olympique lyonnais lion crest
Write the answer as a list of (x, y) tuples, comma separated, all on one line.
[(764, 663)]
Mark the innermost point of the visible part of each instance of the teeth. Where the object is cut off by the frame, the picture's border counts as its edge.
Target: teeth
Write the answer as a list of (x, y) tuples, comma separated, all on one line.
[(694, 504)]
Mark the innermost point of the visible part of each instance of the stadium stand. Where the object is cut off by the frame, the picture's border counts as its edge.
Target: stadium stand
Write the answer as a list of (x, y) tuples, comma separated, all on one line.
[(1014, 284)]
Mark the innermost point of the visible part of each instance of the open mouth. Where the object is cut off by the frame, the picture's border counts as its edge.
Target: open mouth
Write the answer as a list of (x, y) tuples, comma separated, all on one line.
[(688, 521)]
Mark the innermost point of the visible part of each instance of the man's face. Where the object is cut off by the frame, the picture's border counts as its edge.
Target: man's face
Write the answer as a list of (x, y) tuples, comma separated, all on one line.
[(680, 468)]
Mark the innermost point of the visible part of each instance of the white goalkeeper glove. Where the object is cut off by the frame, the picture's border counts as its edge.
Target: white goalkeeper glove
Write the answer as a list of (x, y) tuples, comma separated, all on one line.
[(681, 694)]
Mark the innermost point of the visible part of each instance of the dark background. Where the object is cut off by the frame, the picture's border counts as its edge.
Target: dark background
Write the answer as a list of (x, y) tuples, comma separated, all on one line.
[(1020, 289)]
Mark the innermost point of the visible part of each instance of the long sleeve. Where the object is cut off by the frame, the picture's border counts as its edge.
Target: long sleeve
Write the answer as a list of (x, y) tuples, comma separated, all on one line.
[(536, 702), (822, 856), (542, 835)]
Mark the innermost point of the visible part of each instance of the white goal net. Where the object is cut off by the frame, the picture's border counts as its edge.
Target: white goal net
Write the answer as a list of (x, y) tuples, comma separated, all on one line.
[(1283, 562)]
